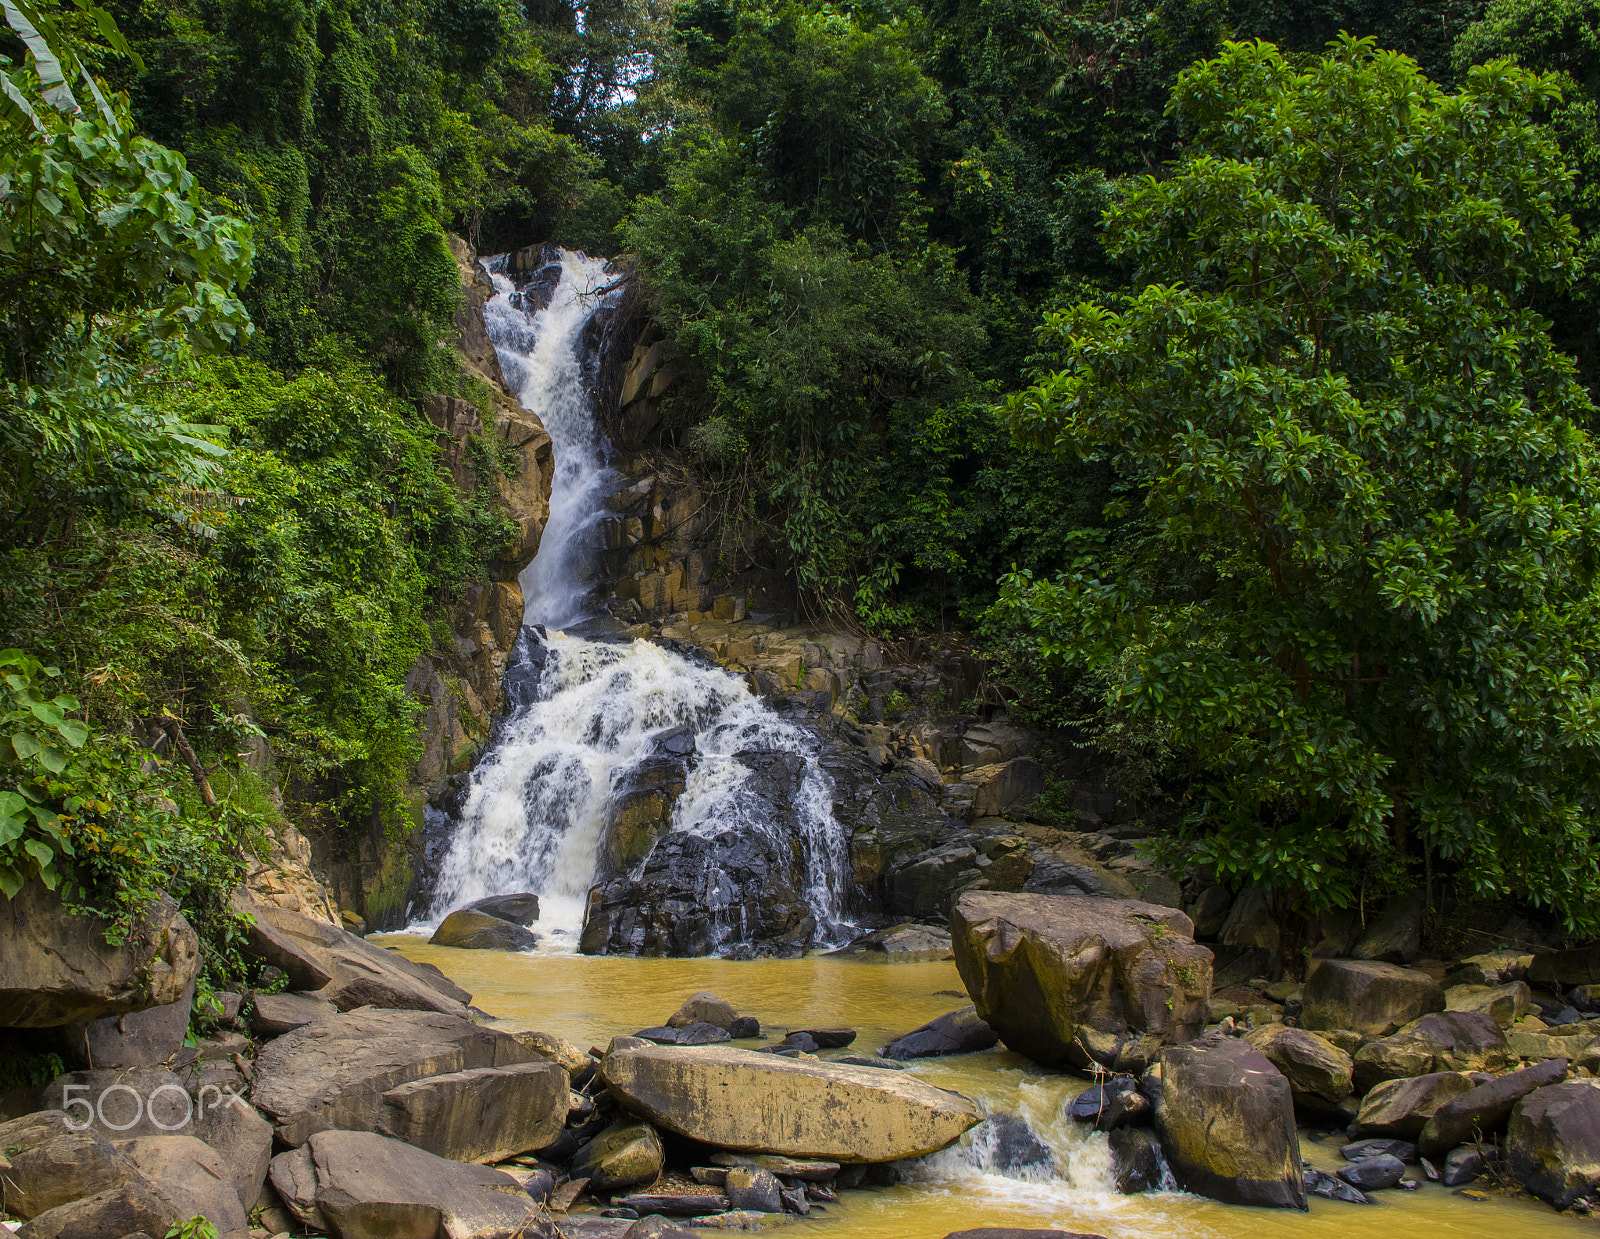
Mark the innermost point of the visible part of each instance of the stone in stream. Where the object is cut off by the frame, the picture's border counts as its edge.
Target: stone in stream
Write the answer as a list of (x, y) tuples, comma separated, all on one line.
[(334, 1074), (1360, 1150), (192, 1175), (958, 1032), (750, 1187), (469, 930), (749, 1101), (1138, 1162), (1074, 980), (1446, 1041), (743, 1028), (56, 967), (674, 1204), (808, 1170), (1553, 1141), (910, 941), (827, 1038), (703, 1007), (366, 1186), (272, 1015), (1462, 1165), (1006, 1143), (688, 1034), (625, 1154), (1320, 1183), (1089, 1105), (1403, 1107), (802, 1042), (864, 1060), (1226, 1122), (1485, 1109), (795, 1202), (1366, 996), (1129, 1108), (520, 909), (1372, 1173)]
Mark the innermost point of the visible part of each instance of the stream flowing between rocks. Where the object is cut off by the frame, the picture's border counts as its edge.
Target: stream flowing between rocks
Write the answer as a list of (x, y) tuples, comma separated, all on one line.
[(589, 1000)]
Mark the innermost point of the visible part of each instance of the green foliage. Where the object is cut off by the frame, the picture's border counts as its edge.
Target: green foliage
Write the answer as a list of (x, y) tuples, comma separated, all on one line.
[(1364, 458), (1561, 37)]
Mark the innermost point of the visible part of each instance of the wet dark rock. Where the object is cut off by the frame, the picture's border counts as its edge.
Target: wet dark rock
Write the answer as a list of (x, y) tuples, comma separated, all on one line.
[(703, 896), (1138, 1162), (863, 1060), (958, 1032), (744, 1027), (1326, 1185), (828, 1038), (524, 681), (1462, 1165), (691, 1034), (1485, 1109), (1129, 1108), (520, 909), (478, 931), (1006, 1143), (804, 1042), (795, 1201), (1373, 1173), (687, 1204), (1089, 1105), (676, 741), (1361, 1150)]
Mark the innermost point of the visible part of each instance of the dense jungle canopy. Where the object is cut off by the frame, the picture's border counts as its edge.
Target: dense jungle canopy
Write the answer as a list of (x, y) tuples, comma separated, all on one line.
[(1224, 368)]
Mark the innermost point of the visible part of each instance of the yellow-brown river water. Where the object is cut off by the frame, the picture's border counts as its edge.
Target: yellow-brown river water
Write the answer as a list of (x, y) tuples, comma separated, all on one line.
[(589, 1000)]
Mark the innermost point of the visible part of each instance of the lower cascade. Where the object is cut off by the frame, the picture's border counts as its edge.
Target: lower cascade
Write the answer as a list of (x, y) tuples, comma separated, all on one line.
[(654, 803)]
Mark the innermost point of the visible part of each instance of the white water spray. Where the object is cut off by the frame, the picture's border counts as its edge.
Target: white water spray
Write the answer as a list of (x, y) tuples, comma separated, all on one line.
[(533, 816)]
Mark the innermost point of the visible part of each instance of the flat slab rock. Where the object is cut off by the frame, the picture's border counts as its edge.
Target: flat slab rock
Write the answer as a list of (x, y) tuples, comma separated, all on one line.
[(764, 1103), (334, 1074), (361, 1185)]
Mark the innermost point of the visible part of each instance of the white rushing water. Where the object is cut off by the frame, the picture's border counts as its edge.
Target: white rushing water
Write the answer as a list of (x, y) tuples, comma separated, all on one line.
[(533, 816)]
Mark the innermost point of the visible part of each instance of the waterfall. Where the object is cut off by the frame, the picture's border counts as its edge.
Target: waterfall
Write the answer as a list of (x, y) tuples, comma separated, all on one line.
[(592, 719)]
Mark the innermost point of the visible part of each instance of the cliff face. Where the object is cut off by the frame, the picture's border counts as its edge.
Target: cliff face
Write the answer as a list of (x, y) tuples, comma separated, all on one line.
[(508, 453)]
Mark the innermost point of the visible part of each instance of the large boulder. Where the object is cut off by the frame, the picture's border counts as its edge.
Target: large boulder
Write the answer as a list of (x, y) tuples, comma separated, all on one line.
[(367, 1186), (1485, 1109), (1505, 1004), (56, 967), (51, 1164), (746, 1100), (1226, 1122), (484, 1115), (1314, 1067), (193, 1176), (1553, 1141), (623, 1155), (1446, 1041), (1560, 969), (703, 1007), (1401, 1108), (520, 909), (1367, 996), (471, 930), (137, 1207), (1075, 980), (956, 1032), (335, 1074), (344, 969), (137, 1039), (272, 1015)]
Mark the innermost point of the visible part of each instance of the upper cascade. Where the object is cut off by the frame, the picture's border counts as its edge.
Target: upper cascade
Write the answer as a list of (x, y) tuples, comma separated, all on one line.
[(656, 805)]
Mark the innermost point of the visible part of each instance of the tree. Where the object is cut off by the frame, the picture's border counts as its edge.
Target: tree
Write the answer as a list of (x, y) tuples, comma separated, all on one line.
[(1360, 591), (1561, 36)]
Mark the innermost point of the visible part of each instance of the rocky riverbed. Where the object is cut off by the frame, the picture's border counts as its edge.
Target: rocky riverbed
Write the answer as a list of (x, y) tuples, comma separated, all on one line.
[(375, 1098)]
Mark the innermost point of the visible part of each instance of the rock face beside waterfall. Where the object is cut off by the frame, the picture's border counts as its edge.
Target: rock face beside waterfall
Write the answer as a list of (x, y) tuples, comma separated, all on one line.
[(697, 893)]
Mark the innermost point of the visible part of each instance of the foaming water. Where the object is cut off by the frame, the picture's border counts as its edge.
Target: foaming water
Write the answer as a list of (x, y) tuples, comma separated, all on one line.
[(589, 1000), (589, 715)]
